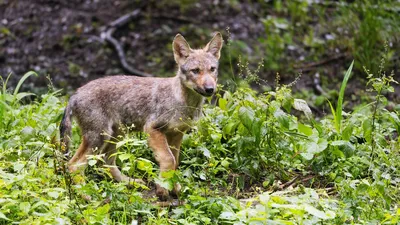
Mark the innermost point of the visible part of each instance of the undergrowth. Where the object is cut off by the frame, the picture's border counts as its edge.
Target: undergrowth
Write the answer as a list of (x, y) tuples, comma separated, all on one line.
[(254, 158)]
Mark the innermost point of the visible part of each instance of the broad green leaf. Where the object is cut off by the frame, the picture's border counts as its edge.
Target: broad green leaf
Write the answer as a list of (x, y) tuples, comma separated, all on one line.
[(225, 163), (305, 129), (282, 118), (165, 183), (316, 212), (168, 174), (103, 210), (256, 129), (18, 166), (338, 153), (345, 146), (246, 116), (287, 103), (230, 127), (121, 143), (227, 216), (124, 156), (205, 151), (53, 194), (367, 130), (394, 118), (216, 137), (347, 132), (311, 148), (92, 162), (5, 105), (322, 144), (25, 207), (145, 165), (222, 103), (27, 131), (4, 217)]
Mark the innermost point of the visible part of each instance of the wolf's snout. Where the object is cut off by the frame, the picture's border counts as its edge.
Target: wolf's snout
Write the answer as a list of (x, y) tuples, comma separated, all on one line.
[(209, 85), (209, 90)]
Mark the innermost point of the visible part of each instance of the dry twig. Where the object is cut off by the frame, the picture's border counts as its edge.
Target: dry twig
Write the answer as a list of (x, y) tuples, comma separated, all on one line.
[(108, 36)]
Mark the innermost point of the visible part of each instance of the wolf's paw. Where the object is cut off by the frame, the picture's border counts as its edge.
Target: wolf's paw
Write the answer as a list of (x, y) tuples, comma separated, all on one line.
[(162, 193)]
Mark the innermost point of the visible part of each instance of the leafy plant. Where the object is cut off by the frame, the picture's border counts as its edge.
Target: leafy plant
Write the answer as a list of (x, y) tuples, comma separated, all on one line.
[(253, 158)]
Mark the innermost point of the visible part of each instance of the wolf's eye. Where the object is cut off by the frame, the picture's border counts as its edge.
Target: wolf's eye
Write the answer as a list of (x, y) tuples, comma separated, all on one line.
[(195, 71), (212, 69)]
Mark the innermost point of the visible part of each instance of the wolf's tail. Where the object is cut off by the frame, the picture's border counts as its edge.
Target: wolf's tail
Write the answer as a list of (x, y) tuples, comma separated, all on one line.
[(65, 129)]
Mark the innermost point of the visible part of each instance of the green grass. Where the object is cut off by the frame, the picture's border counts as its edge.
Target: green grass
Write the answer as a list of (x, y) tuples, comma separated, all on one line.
[(337, 114), (249, 160)]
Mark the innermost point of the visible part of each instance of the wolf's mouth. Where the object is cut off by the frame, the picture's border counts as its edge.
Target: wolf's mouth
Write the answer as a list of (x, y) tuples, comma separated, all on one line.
[(203, 93)]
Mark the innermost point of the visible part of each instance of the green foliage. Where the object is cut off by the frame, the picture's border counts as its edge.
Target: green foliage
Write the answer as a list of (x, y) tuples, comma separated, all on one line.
[(370, 24), (297, 32), (254, 158)]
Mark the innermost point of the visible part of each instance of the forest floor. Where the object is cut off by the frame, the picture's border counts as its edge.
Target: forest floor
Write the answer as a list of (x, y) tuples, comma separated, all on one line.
[(65, 40)]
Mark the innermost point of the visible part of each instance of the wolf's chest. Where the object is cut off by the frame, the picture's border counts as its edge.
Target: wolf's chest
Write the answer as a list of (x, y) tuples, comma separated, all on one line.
[(183, 119)]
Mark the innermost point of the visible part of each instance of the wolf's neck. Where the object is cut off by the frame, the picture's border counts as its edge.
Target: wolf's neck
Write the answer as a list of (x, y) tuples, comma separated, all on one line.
[(189, 96)]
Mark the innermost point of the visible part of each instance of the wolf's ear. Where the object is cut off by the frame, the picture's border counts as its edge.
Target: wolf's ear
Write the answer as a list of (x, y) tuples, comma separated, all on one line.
[(181, 48), (215, 45)]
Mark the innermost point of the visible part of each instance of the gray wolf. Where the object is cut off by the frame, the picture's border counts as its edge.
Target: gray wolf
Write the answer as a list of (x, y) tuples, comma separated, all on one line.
[(162, 107)]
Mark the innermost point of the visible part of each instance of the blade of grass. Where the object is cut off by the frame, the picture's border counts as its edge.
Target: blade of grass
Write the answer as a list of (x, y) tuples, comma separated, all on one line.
[(334, 115), (4, 86), (339, 106), (21, 81)]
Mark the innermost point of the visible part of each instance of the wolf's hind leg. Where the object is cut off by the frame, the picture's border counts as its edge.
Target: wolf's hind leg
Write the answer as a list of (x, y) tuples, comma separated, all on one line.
[(79, 159), (91, 142)]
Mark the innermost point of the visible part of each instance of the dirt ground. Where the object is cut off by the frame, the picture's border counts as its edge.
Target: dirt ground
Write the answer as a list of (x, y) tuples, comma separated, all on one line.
[(63, 38)]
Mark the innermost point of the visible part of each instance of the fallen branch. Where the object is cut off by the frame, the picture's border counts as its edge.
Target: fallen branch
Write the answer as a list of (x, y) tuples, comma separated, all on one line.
[(330, 190), (108, 36), (288, 184), (294, 182), (310, 66)]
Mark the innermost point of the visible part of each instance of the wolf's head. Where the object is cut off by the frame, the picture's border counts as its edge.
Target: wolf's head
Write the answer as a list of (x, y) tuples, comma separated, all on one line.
[(198, 68)]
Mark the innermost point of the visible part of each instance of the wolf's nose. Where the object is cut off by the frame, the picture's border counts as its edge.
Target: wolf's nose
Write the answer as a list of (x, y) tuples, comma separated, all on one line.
[(209, 90)]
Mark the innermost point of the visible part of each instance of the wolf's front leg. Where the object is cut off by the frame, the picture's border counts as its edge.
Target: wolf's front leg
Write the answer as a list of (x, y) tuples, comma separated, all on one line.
[(174, 141), (164, 156)]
